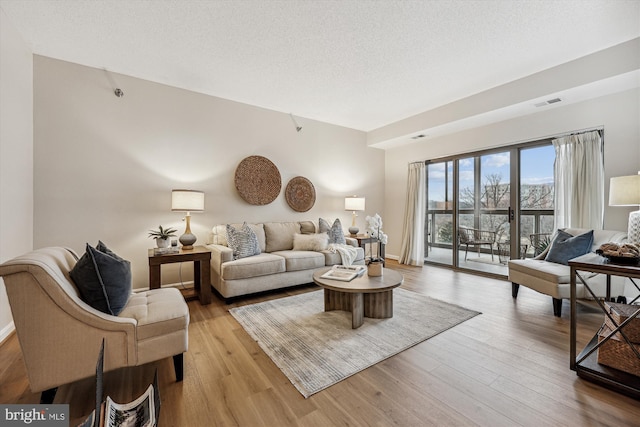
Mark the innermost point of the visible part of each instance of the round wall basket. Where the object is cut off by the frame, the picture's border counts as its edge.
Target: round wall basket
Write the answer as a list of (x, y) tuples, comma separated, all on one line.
[(258, 180), (300, 194)]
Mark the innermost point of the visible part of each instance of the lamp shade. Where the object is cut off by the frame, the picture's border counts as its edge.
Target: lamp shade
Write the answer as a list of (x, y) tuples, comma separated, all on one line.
[(624, 191), (354, 203), (187, 200)]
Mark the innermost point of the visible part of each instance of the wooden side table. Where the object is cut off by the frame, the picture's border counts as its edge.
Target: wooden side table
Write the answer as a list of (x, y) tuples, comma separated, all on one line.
[(364, 239), (201, 257)]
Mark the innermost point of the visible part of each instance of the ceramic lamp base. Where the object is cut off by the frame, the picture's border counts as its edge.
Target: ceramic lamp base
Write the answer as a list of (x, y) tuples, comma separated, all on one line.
[(353, 230), (187, 240)]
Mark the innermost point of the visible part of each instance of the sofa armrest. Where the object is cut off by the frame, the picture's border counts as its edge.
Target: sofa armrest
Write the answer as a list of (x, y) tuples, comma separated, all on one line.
[(351, 241), (219, 255)]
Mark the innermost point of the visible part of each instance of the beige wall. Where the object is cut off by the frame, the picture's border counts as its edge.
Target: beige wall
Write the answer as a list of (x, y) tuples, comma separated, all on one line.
[(618, 113), (105, 166), (16, 154)]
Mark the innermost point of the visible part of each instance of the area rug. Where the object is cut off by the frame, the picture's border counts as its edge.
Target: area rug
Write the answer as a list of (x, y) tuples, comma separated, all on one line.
[(316, 349)]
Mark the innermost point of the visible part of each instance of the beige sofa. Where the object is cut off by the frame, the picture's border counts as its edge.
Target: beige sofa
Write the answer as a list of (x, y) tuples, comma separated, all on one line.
[(60, 335), (553, 279), (277, 266)]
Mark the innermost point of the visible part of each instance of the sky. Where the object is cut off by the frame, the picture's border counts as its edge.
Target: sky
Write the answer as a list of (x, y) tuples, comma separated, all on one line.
[(536, 167)]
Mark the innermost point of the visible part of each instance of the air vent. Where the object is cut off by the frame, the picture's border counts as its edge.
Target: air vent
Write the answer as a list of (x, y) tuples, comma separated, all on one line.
[(548, 102), (418, 136)]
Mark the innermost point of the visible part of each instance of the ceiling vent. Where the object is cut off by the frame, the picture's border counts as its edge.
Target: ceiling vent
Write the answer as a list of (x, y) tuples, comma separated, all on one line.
[(548, 102)]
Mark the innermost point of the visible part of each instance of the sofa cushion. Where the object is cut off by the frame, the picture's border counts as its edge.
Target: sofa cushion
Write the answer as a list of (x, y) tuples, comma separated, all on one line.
[(280, 235), (103, 279), (301, 260), (307, 227), (335, 232), (259, 265), (310, 242), (157, 311), (242, 241), (566, 246), (549, 271)]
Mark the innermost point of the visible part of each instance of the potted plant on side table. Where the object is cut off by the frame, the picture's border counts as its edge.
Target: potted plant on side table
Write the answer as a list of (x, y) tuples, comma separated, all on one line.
[(162, 236)]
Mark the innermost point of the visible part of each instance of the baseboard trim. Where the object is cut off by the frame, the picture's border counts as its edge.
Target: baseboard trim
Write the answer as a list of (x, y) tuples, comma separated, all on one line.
[(6, 332)]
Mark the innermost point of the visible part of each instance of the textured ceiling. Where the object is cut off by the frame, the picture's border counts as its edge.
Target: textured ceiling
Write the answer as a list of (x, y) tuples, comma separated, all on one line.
[(359, 64)]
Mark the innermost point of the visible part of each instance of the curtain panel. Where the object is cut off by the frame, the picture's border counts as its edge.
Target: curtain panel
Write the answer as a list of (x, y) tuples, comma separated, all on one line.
[(412, 249), (579, 181)]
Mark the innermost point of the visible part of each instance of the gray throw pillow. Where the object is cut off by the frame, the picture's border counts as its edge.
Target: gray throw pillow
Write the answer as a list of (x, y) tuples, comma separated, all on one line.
[(103, 279), (566, 246), (335, 233), (243, 242)]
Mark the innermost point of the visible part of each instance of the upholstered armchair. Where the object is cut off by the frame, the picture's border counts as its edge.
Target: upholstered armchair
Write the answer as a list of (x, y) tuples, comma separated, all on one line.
[(60, 335)]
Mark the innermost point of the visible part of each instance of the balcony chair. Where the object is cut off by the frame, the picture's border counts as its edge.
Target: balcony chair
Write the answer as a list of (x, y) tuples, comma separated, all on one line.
[(474, 237), (60, 335)]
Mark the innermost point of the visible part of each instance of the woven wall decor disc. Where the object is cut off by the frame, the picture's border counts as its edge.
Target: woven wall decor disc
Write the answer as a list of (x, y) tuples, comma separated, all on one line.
[(300, 194), (258, 180)]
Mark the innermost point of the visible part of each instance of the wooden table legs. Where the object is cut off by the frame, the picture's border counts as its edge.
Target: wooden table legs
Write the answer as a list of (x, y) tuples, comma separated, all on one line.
[(377, 305)]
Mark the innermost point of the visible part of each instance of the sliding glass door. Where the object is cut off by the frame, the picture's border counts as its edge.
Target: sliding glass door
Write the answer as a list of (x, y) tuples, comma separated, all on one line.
[(477, 202)]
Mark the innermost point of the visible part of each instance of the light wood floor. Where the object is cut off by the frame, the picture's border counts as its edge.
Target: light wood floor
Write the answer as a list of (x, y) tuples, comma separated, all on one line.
[(507, 367)]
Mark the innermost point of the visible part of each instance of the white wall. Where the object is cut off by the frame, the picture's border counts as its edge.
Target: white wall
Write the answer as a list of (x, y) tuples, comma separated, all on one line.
[(618, 113), (105, 166), (16, 154)]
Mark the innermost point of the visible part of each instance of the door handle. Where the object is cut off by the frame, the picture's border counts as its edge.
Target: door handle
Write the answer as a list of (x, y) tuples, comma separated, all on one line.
[(512, 214)]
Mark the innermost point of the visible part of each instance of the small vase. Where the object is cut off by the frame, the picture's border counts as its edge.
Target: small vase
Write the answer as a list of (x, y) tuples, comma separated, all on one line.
[(163, 243), (375, 268)]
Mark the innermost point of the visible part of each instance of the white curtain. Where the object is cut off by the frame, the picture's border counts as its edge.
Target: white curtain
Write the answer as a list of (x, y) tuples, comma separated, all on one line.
[(412, 249), (579, 181)]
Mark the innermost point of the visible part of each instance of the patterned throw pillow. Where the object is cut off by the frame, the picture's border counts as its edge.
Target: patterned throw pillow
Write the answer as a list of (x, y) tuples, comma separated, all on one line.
[(336, 235), (243, 242)]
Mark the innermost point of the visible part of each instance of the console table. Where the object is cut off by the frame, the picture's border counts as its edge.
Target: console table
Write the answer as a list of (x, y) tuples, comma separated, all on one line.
[(586, 364), (201, 257)]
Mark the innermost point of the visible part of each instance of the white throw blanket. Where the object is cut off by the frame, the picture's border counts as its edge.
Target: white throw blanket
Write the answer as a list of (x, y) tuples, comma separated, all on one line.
[(347, 252)]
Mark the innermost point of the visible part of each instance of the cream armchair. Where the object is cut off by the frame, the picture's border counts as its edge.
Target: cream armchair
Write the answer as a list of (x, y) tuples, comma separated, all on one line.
[(60, 335)]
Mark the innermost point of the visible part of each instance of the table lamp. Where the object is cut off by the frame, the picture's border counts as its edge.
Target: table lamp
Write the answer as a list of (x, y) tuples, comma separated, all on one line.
[(187, 201), (354, 204), (625, 191)]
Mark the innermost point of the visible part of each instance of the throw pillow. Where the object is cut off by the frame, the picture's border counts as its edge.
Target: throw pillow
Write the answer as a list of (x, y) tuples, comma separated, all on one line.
[(335, 232), (103, 279), (310, 242), (243, 242), (566, 246)]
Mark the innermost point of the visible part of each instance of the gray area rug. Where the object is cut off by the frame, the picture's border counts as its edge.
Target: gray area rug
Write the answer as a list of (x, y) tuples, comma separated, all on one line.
[(315, 349)]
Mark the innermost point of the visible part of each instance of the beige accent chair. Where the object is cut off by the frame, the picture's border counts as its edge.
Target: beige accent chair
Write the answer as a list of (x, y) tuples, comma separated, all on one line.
[(60, 335), (554, 279)]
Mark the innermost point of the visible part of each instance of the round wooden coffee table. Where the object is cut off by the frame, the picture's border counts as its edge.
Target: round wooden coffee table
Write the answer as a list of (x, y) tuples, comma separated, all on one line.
[(364, 296)]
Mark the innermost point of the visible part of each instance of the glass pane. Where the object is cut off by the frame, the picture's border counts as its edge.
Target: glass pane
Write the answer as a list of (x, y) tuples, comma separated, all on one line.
[(495, 178), (536, 178), (466, 173), (437, 193)]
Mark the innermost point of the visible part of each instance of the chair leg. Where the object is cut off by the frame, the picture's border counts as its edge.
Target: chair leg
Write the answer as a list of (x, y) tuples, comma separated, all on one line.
[(178, 366), (466, 250), (491, 246), (557, 307), (47, 396), (514, 289)]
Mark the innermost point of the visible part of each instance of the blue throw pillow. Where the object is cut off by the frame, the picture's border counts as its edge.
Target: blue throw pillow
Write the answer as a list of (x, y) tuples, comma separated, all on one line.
[(566, 246), (103, 279)]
